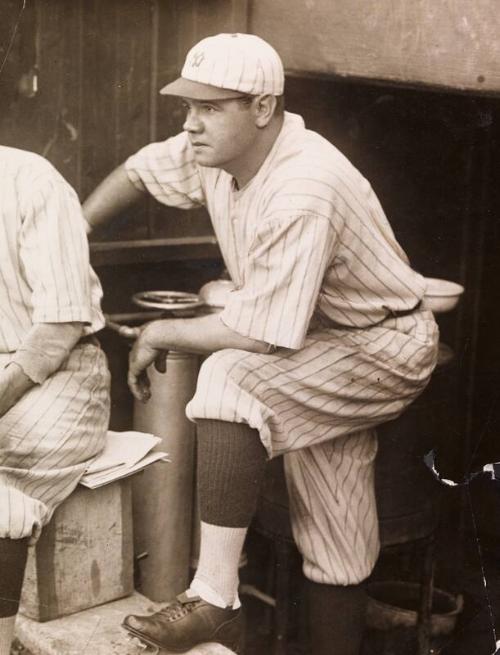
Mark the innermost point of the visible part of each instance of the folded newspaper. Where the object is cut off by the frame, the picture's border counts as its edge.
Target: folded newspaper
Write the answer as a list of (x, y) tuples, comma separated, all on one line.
[(125, 453)]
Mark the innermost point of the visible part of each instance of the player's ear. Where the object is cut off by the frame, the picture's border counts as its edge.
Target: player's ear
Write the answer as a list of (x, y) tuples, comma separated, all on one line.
[(264, 107)]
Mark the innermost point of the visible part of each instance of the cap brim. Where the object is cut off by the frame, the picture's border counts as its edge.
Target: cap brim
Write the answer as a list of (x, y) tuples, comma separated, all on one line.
[(197, 91)]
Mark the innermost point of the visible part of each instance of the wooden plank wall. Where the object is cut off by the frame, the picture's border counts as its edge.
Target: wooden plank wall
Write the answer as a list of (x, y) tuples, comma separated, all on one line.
[(89, 96), (99, 66), (92, 104)]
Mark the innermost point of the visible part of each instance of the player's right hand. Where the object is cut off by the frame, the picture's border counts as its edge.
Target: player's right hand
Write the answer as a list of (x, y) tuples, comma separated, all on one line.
[(140, 358)]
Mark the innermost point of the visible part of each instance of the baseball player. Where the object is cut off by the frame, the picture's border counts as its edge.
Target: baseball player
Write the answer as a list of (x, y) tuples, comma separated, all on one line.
[(54, 380), (321, 340)]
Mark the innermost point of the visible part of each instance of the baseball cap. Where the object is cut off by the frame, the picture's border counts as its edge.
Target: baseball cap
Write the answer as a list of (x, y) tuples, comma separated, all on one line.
[(225, 65)]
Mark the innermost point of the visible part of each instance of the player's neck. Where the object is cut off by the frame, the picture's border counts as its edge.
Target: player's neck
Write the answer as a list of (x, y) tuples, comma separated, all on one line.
[(247, 167)]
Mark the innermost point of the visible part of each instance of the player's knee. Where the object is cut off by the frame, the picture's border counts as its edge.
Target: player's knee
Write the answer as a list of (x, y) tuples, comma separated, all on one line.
[(219, 366)]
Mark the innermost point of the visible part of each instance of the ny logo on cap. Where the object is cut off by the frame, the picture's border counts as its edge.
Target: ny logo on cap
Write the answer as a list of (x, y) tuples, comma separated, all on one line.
[(196, 59)]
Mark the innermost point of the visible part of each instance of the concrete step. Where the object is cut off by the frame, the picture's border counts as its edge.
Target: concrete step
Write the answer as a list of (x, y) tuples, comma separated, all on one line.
[(94, 631)]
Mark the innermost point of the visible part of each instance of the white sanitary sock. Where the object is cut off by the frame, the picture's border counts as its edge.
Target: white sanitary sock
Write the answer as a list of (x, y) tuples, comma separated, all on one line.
[(216, 579), (6, 633)]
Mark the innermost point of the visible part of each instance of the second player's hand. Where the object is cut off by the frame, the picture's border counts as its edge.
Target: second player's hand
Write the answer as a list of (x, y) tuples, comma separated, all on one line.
[(141, 357), (14, 383)]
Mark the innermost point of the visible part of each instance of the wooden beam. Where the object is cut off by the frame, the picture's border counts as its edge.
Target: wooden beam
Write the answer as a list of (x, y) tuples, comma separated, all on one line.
[(153, 250), (450, 43)]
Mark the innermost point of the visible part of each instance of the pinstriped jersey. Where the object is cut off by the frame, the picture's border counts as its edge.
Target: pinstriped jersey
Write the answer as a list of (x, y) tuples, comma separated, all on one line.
[(45, 276), (306, 241)]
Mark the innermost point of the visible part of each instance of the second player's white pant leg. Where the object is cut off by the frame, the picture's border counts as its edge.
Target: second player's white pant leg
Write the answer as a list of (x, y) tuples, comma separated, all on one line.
[(333, 509), (47, 439)]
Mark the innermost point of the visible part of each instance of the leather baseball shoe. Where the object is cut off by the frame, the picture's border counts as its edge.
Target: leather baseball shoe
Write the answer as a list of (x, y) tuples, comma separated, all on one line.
[(186, 622)]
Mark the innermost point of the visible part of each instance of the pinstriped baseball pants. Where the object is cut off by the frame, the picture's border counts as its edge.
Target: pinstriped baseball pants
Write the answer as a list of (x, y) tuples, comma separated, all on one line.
[(319, 407), (47, 438)]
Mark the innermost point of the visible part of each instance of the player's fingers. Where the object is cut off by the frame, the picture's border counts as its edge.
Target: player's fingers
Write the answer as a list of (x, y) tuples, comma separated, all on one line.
[(133, 386), (161, 362), (139, 385)]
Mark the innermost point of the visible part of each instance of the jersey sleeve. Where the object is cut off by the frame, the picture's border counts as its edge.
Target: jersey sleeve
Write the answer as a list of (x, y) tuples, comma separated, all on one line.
[(167, 170), (282, 278), (54, 252)]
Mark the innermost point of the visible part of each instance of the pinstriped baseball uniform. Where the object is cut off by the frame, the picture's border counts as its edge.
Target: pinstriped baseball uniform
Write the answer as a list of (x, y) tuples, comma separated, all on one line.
[(47, 437), (318, 274)]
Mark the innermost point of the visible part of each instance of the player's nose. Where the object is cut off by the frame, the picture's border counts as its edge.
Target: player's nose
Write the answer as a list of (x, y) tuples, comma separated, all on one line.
[(192, 122)]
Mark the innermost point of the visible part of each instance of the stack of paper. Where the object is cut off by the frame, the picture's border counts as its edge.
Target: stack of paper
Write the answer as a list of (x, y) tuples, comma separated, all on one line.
[(124, 453)]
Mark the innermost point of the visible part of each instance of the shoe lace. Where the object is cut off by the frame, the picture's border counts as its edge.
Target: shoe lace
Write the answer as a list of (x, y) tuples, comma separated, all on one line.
[(179, 608)]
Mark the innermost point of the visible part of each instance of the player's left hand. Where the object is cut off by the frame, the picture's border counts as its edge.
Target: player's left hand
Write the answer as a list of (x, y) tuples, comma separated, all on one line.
[(141, 357)]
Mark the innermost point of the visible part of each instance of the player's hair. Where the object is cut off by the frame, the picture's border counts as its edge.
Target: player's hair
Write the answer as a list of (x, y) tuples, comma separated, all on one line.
[(280, 103)]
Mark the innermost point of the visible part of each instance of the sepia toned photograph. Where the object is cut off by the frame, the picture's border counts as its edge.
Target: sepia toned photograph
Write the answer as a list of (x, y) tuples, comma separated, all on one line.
[(249, 363)]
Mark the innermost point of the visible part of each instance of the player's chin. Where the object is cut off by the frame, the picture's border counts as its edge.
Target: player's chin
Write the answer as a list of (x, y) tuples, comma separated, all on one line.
[(208, 162), (206, 157)]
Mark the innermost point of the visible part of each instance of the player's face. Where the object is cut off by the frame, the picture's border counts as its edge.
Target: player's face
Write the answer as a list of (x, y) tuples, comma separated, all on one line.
[(221, 132)]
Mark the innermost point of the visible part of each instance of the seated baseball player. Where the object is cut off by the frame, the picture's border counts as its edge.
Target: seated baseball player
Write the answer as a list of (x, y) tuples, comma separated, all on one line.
[(54, 380), (322, 339)]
